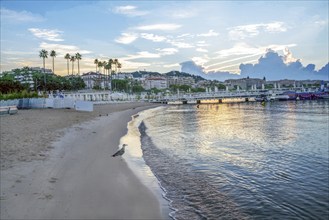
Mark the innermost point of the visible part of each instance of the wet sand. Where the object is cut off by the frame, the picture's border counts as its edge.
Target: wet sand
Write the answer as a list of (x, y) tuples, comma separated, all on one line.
[(57, 164)]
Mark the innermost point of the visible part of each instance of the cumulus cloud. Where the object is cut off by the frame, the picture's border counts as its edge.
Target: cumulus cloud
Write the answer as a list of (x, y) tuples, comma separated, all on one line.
[(129, 10), (46, 34), (192, 68), (288, 58), (271, 65), (198, 70)]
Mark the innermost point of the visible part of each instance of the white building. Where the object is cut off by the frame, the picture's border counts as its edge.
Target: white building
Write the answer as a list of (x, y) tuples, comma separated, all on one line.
[(155, 82), (47, 71), (91, 79), (174, 80), (25, 79)]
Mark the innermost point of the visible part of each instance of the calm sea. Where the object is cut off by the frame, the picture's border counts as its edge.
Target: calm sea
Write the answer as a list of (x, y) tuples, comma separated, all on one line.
[(240, 161)]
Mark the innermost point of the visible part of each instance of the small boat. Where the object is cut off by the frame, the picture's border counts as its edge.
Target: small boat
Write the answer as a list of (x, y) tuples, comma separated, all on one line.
[(287, 95), (321, 95), (304, 95), (261, 98)]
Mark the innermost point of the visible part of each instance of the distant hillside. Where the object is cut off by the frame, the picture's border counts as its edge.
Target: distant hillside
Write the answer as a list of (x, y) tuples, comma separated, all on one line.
[(182, 74), (139, 74)]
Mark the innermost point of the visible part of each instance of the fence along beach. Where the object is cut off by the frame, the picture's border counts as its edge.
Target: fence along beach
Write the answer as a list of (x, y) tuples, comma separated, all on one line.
[(56, 163)]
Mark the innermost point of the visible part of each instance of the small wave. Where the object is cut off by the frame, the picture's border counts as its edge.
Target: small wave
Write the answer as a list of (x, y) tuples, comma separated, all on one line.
[(190, 194)]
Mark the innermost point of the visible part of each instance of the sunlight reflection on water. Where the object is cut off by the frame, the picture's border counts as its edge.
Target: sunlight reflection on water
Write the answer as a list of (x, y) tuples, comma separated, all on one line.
[(262, 161)]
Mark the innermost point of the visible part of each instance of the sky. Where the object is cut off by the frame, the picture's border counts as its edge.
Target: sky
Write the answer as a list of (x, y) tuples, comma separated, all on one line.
[(210, 38)]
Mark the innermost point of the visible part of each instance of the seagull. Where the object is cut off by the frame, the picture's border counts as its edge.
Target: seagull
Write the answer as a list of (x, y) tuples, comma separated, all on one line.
[(120, 152)]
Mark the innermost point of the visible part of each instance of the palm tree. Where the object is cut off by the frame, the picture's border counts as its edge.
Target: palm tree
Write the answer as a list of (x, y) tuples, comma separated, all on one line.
[(78, 57), (68, 57), (96, 62), (104, 64), (111, 64), (100, 65), (72, 59), (115, 64), (119, 66), (53, 55), (44, 54), (107, 68)]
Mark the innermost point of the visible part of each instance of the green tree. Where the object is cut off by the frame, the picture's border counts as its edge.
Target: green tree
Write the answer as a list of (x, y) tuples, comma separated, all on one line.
[(78, 57), (68, 57), (198, 89), (185, 88), (53, 55), (8, 84), (137, 89), (120, 84), (221, 86)]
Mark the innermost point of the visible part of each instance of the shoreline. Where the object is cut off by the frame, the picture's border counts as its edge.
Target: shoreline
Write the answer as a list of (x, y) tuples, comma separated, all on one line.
[(135, 160), (79, 178)]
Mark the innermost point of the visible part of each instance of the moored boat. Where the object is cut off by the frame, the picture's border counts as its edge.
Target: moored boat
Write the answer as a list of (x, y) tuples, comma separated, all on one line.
[(287, 95)]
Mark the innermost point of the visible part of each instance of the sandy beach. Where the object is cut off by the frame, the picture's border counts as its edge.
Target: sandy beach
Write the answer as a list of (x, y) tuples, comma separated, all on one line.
[(57, 164)]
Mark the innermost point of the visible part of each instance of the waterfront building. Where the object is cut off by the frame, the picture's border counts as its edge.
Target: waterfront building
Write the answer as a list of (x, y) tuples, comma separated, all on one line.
[(245, 83), (92, 79), (155, 82), (174, 80)]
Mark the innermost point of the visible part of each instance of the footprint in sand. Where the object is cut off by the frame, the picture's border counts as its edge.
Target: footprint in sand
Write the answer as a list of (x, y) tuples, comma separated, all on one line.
[(46, 196), (53, 180)]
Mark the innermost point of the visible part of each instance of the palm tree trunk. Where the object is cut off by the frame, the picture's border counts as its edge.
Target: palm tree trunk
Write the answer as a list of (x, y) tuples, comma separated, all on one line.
[(68, 68), (44, 72), (78, 68), (53, 66)]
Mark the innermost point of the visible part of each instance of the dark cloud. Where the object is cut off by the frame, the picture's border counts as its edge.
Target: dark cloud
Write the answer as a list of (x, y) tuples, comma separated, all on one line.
[(193, 68), (271, 65)]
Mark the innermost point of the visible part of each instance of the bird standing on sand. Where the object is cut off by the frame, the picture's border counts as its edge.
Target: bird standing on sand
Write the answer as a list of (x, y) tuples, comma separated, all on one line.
[(120, 152)]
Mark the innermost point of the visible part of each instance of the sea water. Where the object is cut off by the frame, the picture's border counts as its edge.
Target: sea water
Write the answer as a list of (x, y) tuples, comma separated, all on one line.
[(239, 161)]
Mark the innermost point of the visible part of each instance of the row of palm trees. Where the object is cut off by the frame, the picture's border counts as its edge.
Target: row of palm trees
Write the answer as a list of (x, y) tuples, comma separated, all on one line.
[(44, 54), (108, 66), (73, 58)]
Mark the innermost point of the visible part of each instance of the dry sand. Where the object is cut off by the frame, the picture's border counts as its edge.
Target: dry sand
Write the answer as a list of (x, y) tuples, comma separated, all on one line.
[(57, 164)]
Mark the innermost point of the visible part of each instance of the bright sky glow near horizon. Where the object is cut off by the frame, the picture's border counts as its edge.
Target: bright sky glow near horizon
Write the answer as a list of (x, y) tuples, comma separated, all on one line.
[(159, 35)]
